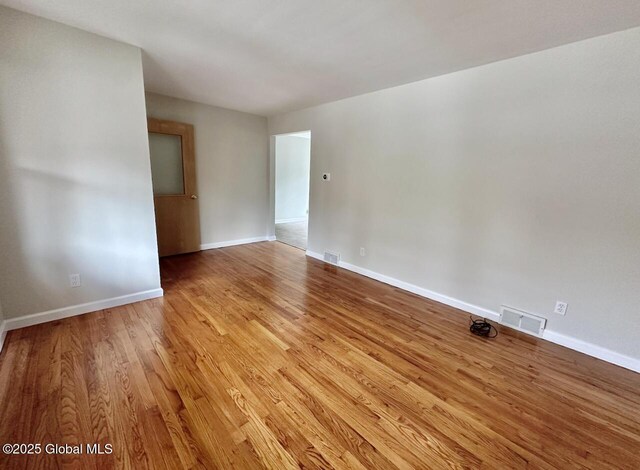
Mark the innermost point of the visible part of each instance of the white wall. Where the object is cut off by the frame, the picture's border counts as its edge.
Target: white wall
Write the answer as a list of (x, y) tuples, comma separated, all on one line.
[(3, 333), (75, 180), (513, 183), (232, 156), (292, 177)]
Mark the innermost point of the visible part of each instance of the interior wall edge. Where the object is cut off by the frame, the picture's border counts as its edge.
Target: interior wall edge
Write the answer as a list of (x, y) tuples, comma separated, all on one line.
[(78, 198), (240, 241), (231, 158), (80, 309), (291, 220), (3, 334), (575, 344)]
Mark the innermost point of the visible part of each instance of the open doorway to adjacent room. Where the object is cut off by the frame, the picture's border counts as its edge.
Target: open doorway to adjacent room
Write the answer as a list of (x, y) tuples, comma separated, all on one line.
[(292, 167)]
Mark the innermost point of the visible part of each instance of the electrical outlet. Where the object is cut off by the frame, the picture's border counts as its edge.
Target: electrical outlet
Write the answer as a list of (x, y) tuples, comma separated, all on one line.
[(74, 280), (363, 252), (326, 176), (561, 308)]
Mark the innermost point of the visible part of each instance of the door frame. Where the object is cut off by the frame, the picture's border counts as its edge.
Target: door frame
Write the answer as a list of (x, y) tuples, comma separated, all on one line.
[(185, 131), (271, 227)]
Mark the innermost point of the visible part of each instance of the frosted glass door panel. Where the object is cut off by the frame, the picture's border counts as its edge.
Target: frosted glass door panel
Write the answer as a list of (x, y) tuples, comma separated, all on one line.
[(166, 164)]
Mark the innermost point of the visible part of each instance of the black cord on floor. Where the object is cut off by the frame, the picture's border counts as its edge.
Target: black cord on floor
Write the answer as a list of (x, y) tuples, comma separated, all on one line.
[(482, 328)]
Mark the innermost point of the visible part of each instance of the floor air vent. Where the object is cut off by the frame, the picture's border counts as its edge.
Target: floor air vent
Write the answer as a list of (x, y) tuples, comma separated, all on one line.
[(522, 321), (332, 258)]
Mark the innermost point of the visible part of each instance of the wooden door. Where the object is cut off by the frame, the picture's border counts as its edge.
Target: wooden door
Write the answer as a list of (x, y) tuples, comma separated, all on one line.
[(173, 171)]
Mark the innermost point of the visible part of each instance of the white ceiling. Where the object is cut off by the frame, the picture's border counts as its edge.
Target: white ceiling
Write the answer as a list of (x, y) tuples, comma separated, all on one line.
[(266, 57)]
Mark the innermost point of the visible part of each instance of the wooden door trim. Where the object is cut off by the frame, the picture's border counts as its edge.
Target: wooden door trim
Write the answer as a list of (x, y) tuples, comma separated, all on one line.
[(185, 131), (186, 236)]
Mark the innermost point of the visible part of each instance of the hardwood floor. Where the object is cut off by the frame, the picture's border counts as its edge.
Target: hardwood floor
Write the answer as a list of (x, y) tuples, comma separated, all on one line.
[(258, 357)]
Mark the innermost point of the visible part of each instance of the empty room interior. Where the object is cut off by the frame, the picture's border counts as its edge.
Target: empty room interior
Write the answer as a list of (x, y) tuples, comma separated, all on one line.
[(355, 234)]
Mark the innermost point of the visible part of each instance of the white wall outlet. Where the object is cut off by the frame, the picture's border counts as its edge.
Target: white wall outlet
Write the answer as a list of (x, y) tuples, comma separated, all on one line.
[(326, 176), (74, 280), (363, 252), (561, 308)]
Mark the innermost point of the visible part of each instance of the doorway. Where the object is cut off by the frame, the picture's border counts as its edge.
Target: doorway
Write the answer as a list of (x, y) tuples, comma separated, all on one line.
[(292, 169), (173, 174)]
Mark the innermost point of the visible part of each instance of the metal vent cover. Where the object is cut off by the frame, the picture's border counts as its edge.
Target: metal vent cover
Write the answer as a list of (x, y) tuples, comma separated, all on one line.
[(522, 321), (332, 258)]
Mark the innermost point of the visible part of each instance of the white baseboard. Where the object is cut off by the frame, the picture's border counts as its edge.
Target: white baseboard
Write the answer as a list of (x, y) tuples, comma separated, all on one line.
[(293, 219), (593, 350), (59, 313), (271, 238), (467, 307), (3, 334), (241, 241), (567, 341)]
